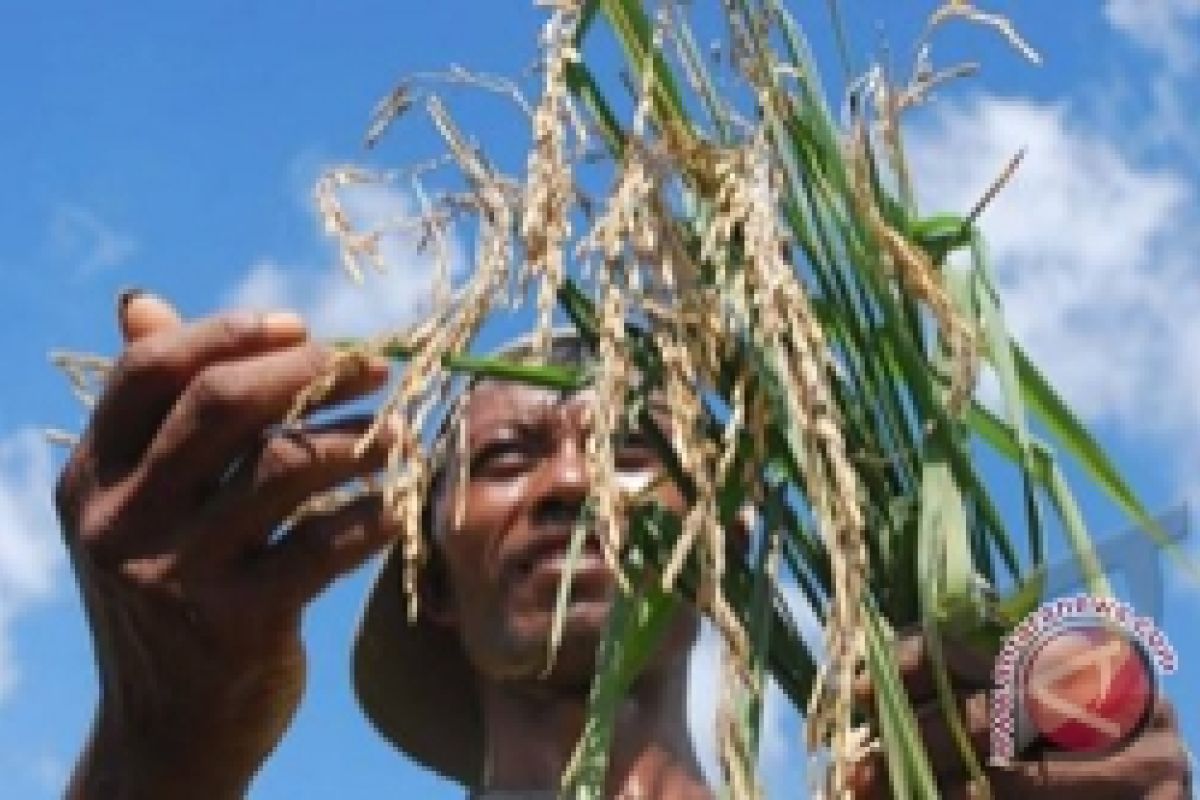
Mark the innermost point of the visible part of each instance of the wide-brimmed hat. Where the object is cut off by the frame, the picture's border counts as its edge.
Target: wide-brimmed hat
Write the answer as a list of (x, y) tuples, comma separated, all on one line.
[(415, 684), (414, 681)]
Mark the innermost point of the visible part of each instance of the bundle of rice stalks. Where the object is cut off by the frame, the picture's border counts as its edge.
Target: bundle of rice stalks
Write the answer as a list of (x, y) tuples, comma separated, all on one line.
[(764, 266)]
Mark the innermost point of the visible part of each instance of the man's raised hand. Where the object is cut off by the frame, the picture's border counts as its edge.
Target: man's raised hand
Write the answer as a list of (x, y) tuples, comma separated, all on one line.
[(172, 505)]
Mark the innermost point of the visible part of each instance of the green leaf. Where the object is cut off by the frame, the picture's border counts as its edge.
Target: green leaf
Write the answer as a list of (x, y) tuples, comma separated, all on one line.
[(697, 66), (632, 26), (1047, 473), (945, 576), (1077, 534), (908, 763), (635, 625), (583, 85), (549, 376), (1082, 446), (1000, 351), (945, 570)]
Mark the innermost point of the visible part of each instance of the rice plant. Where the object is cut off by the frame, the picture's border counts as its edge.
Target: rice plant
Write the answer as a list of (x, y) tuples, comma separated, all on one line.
[(761, 262)]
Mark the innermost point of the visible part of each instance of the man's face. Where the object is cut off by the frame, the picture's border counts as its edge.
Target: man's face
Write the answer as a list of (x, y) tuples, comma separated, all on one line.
[(505, 555)]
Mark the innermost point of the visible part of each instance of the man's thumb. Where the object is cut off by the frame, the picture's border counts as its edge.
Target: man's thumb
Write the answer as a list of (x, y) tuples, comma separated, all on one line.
[(141, 314)]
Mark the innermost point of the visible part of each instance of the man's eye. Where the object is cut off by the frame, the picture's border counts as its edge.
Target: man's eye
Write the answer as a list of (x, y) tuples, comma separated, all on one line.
[(501, 455)]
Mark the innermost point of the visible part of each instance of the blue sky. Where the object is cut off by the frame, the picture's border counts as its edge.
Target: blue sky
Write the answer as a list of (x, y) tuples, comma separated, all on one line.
[(173, 146)]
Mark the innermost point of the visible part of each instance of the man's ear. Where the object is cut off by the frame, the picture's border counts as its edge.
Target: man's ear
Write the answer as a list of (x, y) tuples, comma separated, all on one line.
[(436, 591), (742, 528)]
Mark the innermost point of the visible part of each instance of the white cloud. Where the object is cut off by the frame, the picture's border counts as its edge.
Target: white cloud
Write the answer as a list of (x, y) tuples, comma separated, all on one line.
[(1095, 255), (1168, 27), (330, 300), (1170, 30), (79, 236), (30, 549)]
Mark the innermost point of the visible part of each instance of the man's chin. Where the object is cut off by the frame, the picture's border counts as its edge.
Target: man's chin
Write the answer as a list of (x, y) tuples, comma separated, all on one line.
[(583, 629), (575, 657), (575, 661)]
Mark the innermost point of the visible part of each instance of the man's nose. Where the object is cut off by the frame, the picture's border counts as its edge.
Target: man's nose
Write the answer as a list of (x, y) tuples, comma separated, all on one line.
[(564, 487)]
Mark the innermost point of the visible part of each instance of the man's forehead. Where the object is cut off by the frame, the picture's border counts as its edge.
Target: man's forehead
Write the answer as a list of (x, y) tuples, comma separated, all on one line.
[(489, 401)]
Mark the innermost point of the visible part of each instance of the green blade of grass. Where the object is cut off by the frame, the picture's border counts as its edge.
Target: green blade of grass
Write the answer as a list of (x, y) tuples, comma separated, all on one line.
[(1070, 433), (636, 622), (902, 745), (1000, 352), (1077, 534), (549, 376), (945, 579)]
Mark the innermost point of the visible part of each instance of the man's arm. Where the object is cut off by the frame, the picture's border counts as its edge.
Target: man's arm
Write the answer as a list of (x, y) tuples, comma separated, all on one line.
[(170, 505)]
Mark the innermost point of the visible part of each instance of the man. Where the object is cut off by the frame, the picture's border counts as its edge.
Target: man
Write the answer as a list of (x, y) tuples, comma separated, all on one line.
[(170, 504)]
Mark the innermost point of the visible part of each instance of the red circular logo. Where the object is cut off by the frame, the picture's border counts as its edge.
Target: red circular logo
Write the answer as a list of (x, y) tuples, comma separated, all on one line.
[(1088, 687)]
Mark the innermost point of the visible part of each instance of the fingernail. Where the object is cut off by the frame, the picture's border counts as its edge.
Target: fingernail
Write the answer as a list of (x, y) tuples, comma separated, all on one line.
[(283, 325), (127, 296)]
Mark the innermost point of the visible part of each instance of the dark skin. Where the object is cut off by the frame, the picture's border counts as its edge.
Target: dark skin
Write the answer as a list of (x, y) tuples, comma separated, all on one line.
[(527, 483), (1154, 765), (195, 613), (195, 609)]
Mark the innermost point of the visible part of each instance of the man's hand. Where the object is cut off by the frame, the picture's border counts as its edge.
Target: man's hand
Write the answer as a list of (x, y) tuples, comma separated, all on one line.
[(170, 506), (1155, 766)]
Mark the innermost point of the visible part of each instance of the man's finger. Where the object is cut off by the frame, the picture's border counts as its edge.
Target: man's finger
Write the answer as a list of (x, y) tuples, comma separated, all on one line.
[(322, 548), (1163, 716), (909, 653), (277, 478), (870, 777), (945, 757), (224, 411), (140, 315), (155, 368), (1153, 764), (970, 671)]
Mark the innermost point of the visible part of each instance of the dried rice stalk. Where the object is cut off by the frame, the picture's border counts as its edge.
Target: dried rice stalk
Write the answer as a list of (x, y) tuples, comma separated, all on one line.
[(86, 373), (964, 9), (605, 244), (925, 79), (355, 246), (450, 329), (740, 293), (1001, 181), (545, 226), (613, 374), (734, 750), (919, 276), (783, 324)]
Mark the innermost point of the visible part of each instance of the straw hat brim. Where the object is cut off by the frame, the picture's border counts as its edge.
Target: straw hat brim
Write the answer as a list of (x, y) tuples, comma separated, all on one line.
[(415, 684)]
